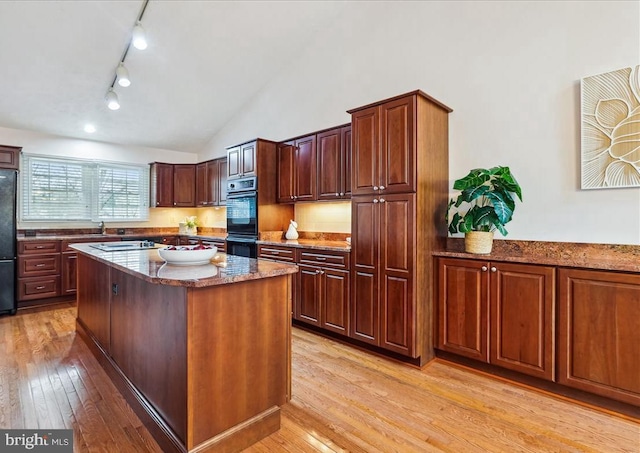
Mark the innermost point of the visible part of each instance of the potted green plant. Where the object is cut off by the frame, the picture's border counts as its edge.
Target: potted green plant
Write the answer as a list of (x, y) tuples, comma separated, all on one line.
[(485, 204), (192, 225)]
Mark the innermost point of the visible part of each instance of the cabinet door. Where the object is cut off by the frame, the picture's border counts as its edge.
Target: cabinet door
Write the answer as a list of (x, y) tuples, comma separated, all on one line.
[(335, 300), (346, 161), (94, 296), (522, 307), (305, 169), (248, 159), (213, 183), (69, 272), (203, 193), (234, 170), (308, 295), (285, 155), (330, 165), (463, 305), (365, 150), (184, 189), (397, 257), (599, 333), (222, 181), (364, 322), (9, 157), (398, 147), (161, 185)]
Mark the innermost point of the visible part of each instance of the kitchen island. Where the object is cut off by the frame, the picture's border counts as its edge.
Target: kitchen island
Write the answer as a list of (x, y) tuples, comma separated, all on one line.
[(202, 353)]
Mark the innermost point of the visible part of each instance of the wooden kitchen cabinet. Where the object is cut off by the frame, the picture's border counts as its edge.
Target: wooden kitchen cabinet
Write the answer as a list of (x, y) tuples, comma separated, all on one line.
[(94, 311), (10, 157), (384, 306), (334, 163), (38, 270), (385, 148), (241, 160), (184, 189), (297, 168), (499, 313), (211, 183), (323, 289), (161, 185), (599, 333), (399, 181), (69, 263)]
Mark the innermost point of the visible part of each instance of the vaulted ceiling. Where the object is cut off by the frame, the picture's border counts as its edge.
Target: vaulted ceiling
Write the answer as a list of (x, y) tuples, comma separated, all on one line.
[(205, 60)]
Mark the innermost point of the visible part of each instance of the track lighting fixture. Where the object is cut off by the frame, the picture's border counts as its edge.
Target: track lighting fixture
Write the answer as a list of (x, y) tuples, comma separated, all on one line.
[(139, 41), (112, 99), (139, 38), (122, 76)]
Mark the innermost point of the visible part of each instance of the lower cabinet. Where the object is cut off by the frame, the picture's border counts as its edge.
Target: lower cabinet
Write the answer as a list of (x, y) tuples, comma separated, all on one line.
[(498, 313), (599, 333)]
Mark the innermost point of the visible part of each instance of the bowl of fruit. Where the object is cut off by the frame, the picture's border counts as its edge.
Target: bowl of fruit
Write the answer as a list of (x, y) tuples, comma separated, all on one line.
[(188, 255)]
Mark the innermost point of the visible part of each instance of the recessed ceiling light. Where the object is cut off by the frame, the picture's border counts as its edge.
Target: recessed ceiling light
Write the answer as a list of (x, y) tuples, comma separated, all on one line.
[(89, 128)]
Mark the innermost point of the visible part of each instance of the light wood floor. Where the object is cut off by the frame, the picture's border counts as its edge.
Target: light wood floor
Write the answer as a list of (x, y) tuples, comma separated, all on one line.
[(344, 400)]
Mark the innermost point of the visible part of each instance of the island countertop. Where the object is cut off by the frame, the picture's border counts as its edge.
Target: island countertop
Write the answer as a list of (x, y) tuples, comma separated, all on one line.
[(224, 269)]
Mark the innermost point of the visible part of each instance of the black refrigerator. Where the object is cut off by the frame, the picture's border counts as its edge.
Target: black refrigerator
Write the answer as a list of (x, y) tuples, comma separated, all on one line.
[(8, 185)]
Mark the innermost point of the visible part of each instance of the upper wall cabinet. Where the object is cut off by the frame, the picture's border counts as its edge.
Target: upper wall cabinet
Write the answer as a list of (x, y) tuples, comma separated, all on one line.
[(241, 160), (9, 157), (384, 148), (211, 183), (334, 163), (296, 162), (172, 185)]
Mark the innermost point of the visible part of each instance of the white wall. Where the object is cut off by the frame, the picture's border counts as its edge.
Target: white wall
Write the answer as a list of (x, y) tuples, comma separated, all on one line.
[(509, 70)]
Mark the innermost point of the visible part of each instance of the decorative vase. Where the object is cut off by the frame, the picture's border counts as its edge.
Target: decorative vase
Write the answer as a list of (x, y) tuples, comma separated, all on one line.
[(479, 242), (292, 233), (192, 231)]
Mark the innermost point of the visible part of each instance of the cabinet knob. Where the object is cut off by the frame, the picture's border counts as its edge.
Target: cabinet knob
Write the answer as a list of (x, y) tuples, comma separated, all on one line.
[(484, 268), (342, 194), (292, 197), (493, 269), (175, 203), (375, 200), (295, 197), (382, 200), (375, 187), (337, 194), (381, 187)]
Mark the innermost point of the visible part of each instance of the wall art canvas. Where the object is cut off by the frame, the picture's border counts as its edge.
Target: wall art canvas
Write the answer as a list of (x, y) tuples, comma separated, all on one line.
[(610, 108)]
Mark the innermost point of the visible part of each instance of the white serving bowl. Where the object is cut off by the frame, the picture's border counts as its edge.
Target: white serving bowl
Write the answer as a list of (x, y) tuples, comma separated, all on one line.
[(186, 255)]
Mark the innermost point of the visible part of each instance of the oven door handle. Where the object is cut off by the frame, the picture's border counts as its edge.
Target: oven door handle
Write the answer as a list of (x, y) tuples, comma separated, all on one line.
[(245, 194), (245, 240)]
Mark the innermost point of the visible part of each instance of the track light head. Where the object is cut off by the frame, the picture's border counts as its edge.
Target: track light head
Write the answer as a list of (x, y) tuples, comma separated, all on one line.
[(139, 38), (112, 100), (122, 76)]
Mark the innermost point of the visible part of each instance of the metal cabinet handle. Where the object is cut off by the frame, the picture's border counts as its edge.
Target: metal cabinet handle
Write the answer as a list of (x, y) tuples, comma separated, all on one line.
[(342, 194), (73, 257), (39, 246), (337, 194), (320, 258), (40, 287), (382, 200), (484, 268), (375, 187), (375, 200), (381, 187), (291, 197), (493, 269), (40, 265)]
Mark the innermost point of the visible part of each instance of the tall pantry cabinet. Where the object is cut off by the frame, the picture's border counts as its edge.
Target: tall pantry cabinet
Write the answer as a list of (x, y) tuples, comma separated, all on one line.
[(399, 180)]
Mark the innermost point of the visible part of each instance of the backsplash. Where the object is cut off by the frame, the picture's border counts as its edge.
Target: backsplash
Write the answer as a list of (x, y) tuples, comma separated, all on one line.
[(332, 217)]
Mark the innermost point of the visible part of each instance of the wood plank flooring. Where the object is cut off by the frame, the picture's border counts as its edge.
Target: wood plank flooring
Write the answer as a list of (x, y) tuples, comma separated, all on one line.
[(344, 400)]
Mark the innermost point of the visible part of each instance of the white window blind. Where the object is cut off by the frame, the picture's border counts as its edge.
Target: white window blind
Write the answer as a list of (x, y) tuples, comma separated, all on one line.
[(73, 189)]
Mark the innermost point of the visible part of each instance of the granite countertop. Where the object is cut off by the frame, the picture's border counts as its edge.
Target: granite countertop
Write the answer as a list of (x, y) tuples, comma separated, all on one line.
[(127, 236), (224, 269), (317, 244), (612, 257)]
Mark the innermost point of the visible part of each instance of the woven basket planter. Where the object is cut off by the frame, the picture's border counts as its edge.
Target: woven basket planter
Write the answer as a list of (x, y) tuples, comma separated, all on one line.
[(479, 242)]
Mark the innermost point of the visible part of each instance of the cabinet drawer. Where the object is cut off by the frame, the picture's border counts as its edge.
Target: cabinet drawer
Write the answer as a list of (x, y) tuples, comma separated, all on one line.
[(33, 266), (272, 252), (336, 260), (38, 288), (38, 247)]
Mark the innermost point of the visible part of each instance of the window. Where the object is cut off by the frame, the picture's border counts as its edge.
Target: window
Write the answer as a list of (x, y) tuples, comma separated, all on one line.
[(73, 189)]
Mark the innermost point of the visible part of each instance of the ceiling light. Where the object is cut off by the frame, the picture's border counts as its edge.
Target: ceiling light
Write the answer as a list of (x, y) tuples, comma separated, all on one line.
[(139, 38), (122, 76), (89, 128), (112, 100)]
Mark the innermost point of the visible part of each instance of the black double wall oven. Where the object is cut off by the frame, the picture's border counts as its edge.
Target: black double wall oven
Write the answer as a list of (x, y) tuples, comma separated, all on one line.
[(242, 217)]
